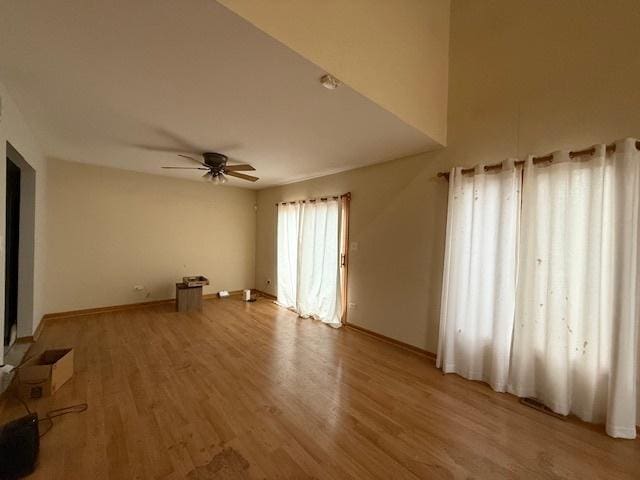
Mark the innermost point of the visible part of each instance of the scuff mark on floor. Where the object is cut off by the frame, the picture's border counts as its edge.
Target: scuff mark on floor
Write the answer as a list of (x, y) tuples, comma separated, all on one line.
[(228, 464)]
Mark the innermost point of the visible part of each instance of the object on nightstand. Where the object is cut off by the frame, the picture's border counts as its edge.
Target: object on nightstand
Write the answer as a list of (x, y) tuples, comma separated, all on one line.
[(195, 281), (188, 299)]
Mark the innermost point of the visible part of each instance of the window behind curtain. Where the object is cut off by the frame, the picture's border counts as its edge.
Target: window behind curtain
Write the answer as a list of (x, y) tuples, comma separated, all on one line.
[(309, 259)]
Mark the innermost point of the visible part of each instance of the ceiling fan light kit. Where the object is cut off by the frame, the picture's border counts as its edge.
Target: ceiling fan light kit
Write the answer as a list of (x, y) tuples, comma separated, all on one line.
[(217, 168), (219, 179)]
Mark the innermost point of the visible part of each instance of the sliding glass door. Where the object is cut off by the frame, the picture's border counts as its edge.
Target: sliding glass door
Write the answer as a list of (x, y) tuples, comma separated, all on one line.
[(311, 260)]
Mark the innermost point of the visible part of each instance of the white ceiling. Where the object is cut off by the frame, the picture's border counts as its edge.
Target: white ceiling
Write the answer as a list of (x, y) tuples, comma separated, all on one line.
[(128, 84)]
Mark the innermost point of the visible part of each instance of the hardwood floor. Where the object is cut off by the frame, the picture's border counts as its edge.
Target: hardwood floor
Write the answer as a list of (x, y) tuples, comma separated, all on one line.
[(250, 391)]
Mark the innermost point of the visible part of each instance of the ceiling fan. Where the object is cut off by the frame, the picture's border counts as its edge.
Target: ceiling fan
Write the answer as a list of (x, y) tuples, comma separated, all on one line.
[(216, 166)]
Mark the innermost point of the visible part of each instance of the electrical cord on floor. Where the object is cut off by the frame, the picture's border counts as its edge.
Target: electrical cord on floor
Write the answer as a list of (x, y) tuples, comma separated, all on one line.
[(59, 412), (24, 404), (51, 414)]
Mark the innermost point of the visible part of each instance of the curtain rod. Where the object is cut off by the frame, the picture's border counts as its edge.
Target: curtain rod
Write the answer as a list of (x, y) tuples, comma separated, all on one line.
[(537, 160), (313, 200)]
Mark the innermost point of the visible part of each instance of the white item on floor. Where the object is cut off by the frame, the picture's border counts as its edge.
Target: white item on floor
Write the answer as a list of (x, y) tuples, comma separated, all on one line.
[(223, 293), (6, 368), (6, 375), (246, 295)]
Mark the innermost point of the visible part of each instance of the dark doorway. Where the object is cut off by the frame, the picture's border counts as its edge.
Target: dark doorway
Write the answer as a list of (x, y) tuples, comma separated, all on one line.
[(11, 251)]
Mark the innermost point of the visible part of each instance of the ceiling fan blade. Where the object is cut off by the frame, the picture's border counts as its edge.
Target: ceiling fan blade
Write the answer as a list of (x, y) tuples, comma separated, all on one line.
[(242, 176), (156, 148), (191, 158), (187, 168), (239, 168)]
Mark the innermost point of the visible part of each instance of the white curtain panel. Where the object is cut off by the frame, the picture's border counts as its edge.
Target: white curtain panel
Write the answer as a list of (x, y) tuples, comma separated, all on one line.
[(318, 293), (575, 344), (287, 255), (308, 259), (478, 295)]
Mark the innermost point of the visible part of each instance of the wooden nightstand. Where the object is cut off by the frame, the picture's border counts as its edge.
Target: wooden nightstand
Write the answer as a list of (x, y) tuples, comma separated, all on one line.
[(188, 299)]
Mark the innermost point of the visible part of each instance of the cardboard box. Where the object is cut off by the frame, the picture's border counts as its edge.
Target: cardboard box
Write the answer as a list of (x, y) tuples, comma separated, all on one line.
[(42, 375)]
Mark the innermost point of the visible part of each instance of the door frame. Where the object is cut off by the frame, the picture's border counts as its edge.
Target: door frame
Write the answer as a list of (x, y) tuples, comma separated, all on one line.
[(26, 244)]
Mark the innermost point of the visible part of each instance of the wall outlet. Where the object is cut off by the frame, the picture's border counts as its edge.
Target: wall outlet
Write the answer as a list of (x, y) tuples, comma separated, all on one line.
[(353, 246), (352, 305)]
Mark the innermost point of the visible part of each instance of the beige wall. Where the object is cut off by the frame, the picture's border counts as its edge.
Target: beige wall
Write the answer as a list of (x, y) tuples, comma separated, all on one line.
[(397, 210), (109, 230), (393, 52), (526, 77), (15, 130)]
